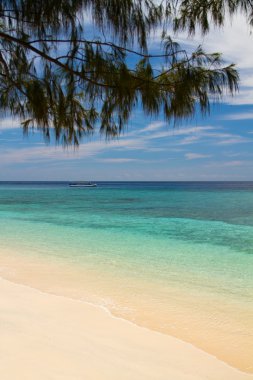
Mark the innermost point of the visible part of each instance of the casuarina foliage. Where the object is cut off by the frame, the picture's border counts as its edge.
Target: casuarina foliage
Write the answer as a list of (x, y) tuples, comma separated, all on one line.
[(70, 68)]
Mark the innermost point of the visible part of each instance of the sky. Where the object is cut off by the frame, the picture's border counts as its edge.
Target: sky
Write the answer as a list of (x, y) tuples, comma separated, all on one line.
[(216, 147)]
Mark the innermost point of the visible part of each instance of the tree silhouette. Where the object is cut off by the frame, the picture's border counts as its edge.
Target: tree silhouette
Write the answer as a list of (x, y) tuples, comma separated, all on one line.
[(65, 77)]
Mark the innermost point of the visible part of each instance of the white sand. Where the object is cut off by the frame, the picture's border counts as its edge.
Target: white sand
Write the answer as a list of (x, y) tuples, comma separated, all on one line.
[(46, 337)]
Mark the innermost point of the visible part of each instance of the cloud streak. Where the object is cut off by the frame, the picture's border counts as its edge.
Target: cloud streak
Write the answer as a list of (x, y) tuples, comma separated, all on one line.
[(137, 141), (117, 160), (238, 116), (9, 123), (196, 156)]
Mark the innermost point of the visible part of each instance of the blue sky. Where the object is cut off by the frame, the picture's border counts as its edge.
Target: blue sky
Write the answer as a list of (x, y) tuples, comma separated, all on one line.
[(217, 147)]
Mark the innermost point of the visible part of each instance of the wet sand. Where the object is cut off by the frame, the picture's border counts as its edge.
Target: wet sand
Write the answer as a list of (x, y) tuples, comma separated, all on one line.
[(44, 336)]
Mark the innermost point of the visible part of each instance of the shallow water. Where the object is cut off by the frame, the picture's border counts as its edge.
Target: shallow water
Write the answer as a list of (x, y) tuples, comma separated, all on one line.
[(175, 257)]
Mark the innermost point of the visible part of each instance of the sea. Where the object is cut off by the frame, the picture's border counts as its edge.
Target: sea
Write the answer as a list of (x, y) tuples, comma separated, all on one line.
[(175, 257)]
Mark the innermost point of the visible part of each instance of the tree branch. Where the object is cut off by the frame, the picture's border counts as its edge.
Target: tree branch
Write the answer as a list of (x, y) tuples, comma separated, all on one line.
[(50, 59)]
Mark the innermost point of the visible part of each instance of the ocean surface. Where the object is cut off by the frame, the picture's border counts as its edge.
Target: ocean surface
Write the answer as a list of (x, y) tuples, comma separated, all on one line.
[(176, 257)]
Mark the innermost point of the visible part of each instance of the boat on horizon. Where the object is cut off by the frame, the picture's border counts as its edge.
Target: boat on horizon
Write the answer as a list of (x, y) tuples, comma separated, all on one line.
[(82, 184)]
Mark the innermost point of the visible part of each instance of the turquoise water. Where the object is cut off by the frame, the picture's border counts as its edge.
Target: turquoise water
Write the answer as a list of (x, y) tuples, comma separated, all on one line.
[(156, 228), (150, 240)]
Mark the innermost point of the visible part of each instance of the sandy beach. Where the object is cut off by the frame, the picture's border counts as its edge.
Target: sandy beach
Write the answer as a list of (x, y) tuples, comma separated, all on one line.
[(45, 336)]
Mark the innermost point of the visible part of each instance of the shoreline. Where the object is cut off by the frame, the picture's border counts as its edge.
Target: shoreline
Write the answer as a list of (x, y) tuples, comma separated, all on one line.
[(59, 279), (50, 336)]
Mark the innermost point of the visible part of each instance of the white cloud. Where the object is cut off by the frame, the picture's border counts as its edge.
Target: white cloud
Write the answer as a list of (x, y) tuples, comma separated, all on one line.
[(235, 41), (9, 123), (232, 164), (238, 116), (180, 131), (234, 140), (214, 137), (190, 140), (117, 160), (194, 156), (88, 149), (153, 126), (244, 97), (235, 163)]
